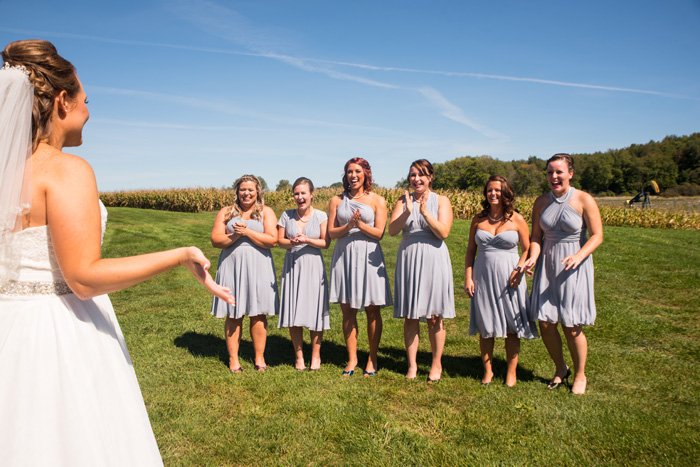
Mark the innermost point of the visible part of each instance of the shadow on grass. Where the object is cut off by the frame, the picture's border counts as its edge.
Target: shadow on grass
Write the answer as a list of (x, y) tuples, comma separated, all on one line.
[(394, 359), (278, 351)]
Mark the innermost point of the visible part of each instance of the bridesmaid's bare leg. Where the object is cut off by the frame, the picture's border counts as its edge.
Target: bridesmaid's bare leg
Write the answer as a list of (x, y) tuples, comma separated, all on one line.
[(350, 334), (578, 347), (297, 335), (374, 335), (437, 334), (486, 348), (552, 341), (316, 338), (258, 334), (232, 331), (411, 336), (512, 354)]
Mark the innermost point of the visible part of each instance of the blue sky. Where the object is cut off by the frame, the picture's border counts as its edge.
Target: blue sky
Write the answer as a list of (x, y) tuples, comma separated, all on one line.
[(197, 93)]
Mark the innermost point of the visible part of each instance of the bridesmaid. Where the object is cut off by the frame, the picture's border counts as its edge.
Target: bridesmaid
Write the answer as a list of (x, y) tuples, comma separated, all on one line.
[(494, 280), (562, 289), (357, 219), (304, 297), (246, 232), (423, 283)]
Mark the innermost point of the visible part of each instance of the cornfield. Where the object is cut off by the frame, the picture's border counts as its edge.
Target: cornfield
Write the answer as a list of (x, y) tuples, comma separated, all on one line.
[(465, 205)]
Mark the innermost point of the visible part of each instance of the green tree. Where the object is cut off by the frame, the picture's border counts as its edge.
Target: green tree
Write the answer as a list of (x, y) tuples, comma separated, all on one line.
[(403, 183), (598, 174), (673, 161), (283, 185), (528, 178)]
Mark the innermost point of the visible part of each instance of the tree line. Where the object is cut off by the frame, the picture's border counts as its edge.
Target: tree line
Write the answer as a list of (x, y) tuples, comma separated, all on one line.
[(674, 163)]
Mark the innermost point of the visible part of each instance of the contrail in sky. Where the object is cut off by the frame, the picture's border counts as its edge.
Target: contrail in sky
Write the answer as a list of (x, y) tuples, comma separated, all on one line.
[(302, 62)]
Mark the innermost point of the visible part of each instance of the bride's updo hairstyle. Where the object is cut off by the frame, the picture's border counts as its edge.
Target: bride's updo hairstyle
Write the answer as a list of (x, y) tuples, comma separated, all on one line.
[(49, 73)]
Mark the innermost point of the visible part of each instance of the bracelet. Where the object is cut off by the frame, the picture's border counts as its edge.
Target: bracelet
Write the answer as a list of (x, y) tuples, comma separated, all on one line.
[(519, 269)]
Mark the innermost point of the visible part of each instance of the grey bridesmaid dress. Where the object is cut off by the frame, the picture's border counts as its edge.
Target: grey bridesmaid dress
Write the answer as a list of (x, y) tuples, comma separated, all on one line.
[(304, 288), (423, 282), (496, 309), (250, 273), (358, 273), (560, 296)]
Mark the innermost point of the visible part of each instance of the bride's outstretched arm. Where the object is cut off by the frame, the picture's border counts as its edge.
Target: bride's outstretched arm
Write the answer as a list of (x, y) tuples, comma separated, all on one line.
[(73, 217)]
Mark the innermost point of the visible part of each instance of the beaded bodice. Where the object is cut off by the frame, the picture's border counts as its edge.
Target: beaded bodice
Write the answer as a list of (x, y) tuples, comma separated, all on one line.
[(38, 268)]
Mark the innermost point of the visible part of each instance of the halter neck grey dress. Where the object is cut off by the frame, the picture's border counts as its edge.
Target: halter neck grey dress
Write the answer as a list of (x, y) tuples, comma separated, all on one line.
[(250, 273), (423, 282), (358, 274), (560, 296), (496, 309), (304, 294)]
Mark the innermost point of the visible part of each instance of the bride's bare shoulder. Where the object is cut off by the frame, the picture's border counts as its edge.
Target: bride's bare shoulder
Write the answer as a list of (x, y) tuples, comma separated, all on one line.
[(52, 167)]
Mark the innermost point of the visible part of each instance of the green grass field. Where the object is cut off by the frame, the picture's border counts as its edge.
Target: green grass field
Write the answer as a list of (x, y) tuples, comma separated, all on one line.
[(642, 406)]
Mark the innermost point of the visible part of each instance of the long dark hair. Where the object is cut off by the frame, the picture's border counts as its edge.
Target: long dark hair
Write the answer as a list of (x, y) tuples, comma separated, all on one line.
[(507, 196)]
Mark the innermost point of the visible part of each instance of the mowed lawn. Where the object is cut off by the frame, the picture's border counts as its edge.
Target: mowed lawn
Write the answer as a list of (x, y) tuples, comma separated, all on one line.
[(642, 405)]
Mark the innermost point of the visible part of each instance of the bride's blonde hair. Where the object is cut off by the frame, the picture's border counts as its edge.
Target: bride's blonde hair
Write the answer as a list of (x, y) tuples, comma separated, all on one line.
[(235, 209)]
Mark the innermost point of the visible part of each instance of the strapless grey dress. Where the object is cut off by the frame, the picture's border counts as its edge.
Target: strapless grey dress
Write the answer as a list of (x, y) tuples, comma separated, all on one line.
[(497, 309)]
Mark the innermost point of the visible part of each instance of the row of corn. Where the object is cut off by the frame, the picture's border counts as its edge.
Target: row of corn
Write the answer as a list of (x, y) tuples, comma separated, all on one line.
[(465, 204)]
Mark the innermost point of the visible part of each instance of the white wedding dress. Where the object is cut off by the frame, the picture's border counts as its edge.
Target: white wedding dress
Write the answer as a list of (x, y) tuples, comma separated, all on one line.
[(68, 391)]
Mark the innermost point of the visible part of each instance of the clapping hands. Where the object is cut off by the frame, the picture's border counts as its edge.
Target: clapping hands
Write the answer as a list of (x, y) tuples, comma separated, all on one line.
[(409, 203), (355, 219)]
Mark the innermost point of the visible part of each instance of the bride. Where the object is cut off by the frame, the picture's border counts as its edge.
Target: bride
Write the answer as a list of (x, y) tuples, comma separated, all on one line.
[(68, 391)]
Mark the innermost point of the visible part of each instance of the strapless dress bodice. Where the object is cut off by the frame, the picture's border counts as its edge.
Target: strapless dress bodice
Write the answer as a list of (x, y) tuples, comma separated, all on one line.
[(38, 261), (38, 267)]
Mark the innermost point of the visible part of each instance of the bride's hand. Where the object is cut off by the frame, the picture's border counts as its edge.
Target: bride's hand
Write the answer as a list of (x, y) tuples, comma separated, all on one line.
[(194, 260)]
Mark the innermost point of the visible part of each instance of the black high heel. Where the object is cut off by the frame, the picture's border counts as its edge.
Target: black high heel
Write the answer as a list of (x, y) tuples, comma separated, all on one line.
[(555, 385)]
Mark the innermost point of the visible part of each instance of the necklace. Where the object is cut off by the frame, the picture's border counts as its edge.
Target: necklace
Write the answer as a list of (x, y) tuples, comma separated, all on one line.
[(496, 220), (300, 218), (358, 196), (563, 198)]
